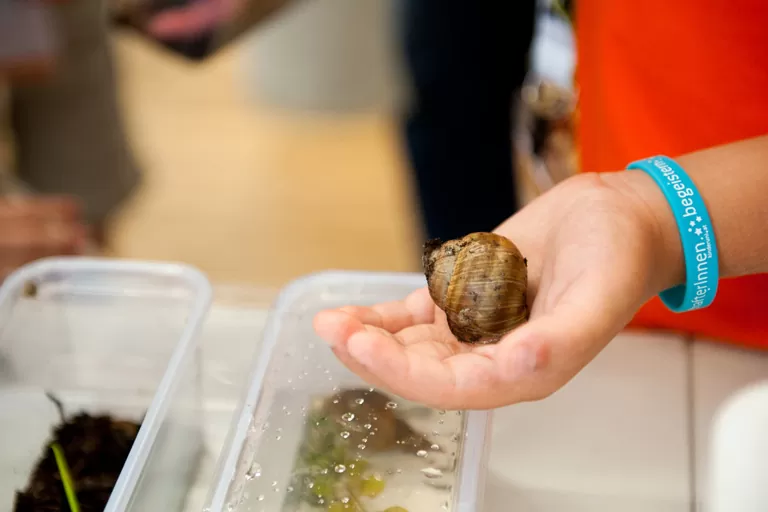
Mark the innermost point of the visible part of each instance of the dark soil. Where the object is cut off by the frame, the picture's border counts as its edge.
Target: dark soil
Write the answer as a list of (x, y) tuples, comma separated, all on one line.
[(95, 448)]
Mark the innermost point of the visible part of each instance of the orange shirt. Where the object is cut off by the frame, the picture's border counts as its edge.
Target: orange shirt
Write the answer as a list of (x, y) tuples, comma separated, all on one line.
[(670, 77)]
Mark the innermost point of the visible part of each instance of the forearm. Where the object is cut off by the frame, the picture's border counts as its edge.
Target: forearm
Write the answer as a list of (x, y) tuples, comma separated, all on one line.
[(733, 181)]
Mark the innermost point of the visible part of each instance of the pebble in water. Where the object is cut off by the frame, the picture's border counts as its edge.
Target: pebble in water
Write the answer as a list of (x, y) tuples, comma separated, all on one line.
[(432, 472), (253, 472)]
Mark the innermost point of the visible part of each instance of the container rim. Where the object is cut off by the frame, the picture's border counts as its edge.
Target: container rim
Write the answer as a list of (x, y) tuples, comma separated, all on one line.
[(476, 423), (126, 483)]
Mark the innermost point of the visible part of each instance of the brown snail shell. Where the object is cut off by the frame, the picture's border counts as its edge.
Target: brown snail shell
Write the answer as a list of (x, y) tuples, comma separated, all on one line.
[(480, 282)]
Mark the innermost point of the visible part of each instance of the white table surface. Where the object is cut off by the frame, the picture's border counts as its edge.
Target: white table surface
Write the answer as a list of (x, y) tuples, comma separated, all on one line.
[(629, 433)]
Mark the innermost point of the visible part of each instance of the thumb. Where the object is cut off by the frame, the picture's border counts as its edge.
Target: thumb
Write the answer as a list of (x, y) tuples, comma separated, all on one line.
[(543, 355)]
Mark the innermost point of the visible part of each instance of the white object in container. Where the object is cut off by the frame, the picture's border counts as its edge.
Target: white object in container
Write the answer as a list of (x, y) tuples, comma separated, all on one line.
[(294, 368), (104, 336)]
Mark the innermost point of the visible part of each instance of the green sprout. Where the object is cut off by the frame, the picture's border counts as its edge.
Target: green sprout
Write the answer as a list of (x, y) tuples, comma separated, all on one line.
[(66, 477)]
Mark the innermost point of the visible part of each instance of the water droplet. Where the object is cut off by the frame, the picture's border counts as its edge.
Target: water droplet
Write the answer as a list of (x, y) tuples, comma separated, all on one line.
[(335, 388), (370, 390), (398, 471), (445, 505), (432, 472), (311, 485), (435, 433), (361, 446), (327, 371), (440, 422), (348, 416), (435, 446), (335, 400), (320, 501), (278, 437), (367, 426), (265, 427), (311, 345), (274, 483), (306, 358), (441, 412), (289, 488), (301, 377), (253, 472), (421, 453), (365, 439), (260, 497), (391, 405), (324, 471), (344, 435), (340, 468), (290, 381), (345, 500), (359, 401)]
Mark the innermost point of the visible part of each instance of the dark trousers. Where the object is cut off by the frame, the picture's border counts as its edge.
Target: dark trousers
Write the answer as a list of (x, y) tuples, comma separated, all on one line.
[(466, 61)]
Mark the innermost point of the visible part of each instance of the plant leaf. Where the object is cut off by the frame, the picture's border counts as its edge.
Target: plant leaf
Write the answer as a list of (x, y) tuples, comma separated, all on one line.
[(66, 477)]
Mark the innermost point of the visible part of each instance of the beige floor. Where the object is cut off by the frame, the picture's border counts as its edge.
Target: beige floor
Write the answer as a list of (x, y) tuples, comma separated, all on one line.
[(252, 195)]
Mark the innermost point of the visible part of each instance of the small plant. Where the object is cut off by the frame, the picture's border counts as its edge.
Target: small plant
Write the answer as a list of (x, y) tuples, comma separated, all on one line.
[(66, 477)]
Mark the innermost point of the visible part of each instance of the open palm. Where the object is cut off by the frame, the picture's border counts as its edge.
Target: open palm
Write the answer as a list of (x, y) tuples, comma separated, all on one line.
[(589, 268)]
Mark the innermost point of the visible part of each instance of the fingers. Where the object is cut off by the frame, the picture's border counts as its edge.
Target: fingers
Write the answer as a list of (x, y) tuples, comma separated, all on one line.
[(64, 209), (543, 355), (416, 308), (196, 18), (336, 327)]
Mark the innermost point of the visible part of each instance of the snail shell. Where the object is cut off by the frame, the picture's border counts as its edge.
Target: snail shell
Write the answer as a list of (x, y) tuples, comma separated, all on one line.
[(480, 282)]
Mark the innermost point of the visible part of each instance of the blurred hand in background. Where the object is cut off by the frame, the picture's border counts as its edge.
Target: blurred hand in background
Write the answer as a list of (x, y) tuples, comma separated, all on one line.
[(33, 228)]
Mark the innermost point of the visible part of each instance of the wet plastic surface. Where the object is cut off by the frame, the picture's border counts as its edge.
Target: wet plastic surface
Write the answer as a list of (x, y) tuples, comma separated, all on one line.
[(104, 337), (294, 368)]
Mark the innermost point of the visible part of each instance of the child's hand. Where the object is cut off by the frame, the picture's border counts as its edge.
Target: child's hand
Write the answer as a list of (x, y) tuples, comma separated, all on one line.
[(598, 247)]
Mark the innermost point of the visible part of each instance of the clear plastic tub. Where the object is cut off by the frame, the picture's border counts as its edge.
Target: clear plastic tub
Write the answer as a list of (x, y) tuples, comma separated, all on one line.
[(294, 372), (104, 336)]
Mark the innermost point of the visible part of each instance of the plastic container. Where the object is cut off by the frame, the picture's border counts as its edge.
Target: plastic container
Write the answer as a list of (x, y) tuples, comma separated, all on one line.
[(294, 370), (104, 336)]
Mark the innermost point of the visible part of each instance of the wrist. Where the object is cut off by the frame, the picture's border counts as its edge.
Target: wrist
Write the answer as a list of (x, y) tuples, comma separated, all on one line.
[(655, 217)]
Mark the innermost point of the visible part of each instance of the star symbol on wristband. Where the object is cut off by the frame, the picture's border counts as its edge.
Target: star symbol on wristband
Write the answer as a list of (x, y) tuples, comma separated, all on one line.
[(698, 219), (692, 223), (697, 231)]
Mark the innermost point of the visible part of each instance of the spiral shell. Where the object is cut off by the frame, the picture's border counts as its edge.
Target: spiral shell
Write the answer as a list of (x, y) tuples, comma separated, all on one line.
[(480, 282)]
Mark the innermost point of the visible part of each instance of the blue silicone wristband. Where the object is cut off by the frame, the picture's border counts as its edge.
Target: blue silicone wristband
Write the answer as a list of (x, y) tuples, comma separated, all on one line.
[(702, 267)]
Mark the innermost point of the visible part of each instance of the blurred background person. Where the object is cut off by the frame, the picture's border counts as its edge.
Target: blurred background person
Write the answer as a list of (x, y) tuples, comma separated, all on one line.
[(466, 61), (64, 127)]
